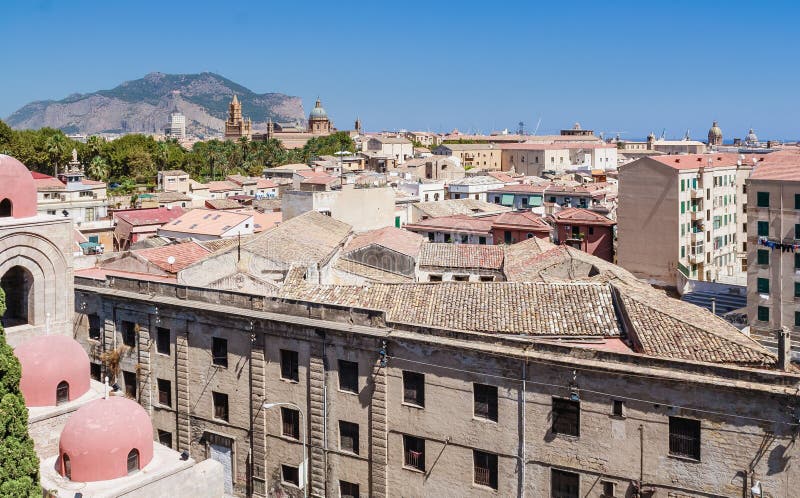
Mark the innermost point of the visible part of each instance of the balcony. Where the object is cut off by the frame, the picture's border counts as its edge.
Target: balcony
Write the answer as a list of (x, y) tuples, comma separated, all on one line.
[(695, 193), (697, 236), (696, 258), (698, 215)]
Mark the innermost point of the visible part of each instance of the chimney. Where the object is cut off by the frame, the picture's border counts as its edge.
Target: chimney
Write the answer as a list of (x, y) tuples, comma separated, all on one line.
[(784, 349)]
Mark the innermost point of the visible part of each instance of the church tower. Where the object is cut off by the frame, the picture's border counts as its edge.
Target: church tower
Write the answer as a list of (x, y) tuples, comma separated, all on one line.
[(318, 122), (358, 126), (237, 127)]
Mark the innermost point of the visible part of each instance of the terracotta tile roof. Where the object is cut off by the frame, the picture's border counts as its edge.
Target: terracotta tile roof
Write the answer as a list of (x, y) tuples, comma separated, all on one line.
[(323, 179), (370, 273), (502, 176), (184, 253), (555, 146), (46, 182), (172, 197), (521, 220), (461, 256), (150, 216), (449, 207), (459, 223), (222, 204), (477, 180), (579, 215), (264, 221), (671, 328), (206, 222), (694, 161), (309, 238), (396, 239), (222, 186), (782, 165), (497, 308)]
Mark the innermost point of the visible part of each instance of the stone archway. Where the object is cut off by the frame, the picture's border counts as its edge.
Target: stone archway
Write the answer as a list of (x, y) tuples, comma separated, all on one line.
[(18, 285)]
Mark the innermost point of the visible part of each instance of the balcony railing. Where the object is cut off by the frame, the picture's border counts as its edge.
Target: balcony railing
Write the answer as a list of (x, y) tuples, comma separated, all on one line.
[(698, 215), (415, 459)]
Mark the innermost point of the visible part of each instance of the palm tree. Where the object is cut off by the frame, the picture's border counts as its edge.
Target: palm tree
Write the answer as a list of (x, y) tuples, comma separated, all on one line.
[(162, 154), (94, 143), (98, 169), (56, 147)]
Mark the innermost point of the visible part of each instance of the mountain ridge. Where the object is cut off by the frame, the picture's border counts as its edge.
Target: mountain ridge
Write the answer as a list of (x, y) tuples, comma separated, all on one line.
[(143, 105)]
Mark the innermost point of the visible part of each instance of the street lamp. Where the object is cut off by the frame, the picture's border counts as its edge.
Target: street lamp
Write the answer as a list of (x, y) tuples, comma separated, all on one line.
[(267, 406)]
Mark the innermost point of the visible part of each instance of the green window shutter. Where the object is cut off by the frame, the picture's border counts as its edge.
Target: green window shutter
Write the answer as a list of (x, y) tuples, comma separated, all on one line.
[(683, 229), (763, 257), (683, 207), (694, 182), (797, 318), (797, 231), (683, 251), (94, 238), (762, 199), (797, 260), (397, 221), (682, 185), (763, 229), (762, 284), (763, 314), (797, 289), (797, 201)]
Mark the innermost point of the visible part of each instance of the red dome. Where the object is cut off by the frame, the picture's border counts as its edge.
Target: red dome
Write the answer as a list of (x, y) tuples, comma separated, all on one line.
[(17, 188), (47, 361), (99, 437)]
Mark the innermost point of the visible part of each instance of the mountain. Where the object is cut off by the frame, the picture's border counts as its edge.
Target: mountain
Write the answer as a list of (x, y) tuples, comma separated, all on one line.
[(144, 105)]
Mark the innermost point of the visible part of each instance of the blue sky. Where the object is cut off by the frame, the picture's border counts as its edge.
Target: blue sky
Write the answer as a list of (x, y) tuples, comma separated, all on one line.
[(633, 67)]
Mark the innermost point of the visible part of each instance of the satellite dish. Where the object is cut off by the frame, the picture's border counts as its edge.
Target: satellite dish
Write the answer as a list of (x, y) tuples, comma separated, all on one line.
[(171, 260)]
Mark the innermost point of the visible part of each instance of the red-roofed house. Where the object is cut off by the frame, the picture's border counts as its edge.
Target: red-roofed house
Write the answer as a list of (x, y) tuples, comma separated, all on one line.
[(504, 228), (516, 226), (208, 224), (585, 230), (133, 225), (536, 158)]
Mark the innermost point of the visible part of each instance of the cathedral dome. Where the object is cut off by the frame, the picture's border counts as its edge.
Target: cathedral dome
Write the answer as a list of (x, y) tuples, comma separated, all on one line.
[(715, 131), (17, 189), (105, 439), (55, 369), (751, 137), (318, 112)]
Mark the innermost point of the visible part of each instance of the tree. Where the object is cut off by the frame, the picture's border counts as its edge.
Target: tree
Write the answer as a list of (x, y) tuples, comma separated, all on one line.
[(56, 148), (19, 465), (98, 169), (6, 133)]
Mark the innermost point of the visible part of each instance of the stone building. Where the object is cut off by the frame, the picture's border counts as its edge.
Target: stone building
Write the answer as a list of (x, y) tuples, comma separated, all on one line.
[(596, 388), (35, 259), (773, 253), (236, 126), (714, 135), (318, 121)]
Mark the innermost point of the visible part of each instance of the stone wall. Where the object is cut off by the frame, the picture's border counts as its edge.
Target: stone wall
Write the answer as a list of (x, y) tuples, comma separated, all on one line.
[(745, 415)]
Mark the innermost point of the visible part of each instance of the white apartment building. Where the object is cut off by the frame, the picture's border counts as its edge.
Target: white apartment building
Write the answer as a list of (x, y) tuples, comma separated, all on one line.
[(533, 159), (682, 218), (176, 128), (473, 187)]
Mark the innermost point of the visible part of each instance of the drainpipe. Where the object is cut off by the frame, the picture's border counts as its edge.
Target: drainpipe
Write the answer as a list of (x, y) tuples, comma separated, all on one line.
[(522, 432)]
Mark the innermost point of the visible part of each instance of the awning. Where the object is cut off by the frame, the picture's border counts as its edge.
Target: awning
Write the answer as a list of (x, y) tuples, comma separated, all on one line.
[(535, 201), (507, 200)]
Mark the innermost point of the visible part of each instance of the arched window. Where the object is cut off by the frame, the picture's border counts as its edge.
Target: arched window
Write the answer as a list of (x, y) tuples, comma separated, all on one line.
[(18, 286), (67, 466), (133, 461), (5, 208), (62, 392)]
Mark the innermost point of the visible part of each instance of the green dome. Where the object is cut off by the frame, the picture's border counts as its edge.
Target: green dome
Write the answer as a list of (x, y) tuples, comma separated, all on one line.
[(318, 112)]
